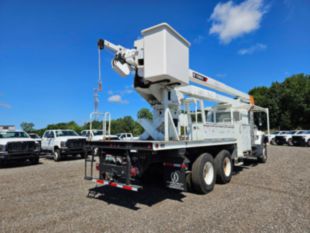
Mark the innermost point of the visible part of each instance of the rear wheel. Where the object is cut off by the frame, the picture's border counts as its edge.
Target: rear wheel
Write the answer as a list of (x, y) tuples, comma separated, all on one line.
[(263, 157), (223, 167), (203, 174), (57, 155), (308, 143)]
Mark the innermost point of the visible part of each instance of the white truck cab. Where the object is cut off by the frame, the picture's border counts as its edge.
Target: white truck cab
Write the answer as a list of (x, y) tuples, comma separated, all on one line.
[(97, 135), (18, 145), (63, 142), (302, 138)]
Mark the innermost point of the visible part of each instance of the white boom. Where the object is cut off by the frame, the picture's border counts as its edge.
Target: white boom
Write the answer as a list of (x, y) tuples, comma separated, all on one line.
[(163, 78)]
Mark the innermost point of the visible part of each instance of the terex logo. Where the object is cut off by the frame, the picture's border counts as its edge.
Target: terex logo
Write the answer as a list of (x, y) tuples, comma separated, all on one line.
[(200, 77)]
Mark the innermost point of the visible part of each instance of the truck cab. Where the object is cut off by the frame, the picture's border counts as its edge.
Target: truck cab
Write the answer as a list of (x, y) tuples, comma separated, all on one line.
[(18, 145), (62, 143)]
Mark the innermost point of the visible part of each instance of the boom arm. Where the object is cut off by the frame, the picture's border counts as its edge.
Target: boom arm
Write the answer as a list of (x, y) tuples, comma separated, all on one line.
[(124, 59), (216, 85)]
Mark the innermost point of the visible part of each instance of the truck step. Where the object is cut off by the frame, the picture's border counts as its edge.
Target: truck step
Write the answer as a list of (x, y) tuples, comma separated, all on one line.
[(240, 163)]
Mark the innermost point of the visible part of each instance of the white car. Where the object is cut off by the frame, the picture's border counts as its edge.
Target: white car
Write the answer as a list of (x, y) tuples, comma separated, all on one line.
[(285, 137), (62, 143), (302, 138), (18, 145), (97, 135)]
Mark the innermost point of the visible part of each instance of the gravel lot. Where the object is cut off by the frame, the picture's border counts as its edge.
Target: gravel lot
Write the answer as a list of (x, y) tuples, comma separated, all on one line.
[(51, 197)]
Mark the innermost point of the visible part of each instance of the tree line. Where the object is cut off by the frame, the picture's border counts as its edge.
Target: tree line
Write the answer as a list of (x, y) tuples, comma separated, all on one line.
[(288, 102), (124, 124)]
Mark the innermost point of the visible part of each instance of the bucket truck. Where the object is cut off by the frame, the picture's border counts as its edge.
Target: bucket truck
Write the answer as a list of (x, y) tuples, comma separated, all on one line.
[(192, 144)]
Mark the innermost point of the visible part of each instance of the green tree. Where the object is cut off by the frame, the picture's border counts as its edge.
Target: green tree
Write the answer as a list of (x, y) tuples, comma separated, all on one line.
[(65, 125), (288, 102), (27, 126), (144, 113)]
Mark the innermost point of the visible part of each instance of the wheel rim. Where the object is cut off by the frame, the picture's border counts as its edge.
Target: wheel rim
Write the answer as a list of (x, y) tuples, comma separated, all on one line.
[(227, 166), (208, 173), (56, 155)]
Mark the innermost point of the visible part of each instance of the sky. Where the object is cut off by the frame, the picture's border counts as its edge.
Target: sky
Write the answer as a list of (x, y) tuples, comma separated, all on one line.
[(49, 57)]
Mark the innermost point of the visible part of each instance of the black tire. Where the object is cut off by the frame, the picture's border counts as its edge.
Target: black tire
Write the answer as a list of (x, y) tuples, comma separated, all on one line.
[(202, 163), (34, 160), (308, 143), (223, 167), (57, 155), (263, 157)]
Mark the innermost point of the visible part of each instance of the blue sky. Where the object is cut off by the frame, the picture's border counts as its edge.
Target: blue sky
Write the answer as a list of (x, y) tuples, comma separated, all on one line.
[(48, 53)]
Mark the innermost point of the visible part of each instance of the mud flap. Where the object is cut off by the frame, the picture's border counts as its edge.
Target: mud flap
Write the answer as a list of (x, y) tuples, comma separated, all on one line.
[(175, 178)]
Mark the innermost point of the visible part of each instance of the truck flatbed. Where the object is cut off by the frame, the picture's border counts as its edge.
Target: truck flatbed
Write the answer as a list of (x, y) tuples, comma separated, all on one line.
[(149, 145)]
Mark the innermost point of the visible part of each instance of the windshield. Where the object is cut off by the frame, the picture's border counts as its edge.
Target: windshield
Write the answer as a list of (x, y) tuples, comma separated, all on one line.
[(14, 135), (34, 136), (277, 132), (292, 132), (97, 132), (304, 132), (64, 133)]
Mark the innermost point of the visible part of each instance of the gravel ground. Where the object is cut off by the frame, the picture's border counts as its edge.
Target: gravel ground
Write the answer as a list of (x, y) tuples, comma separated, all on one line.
[(51, 197)]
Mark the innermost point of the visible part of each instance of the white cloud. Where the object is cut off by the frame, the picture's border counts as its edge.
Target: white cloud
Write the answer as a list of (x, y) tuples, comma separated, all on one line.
[(4, 105), (231, 20), (117, 99), (126, 91), (252, 49)]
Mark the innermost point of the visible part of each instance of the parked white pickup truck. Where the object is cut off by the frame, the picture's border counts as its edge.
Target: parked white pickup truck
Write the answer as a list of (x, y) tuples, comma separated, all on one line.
[(126, 136), (62, 143), (302, 138), (285, 137), (97, 135), (271, 137), (18, 145)]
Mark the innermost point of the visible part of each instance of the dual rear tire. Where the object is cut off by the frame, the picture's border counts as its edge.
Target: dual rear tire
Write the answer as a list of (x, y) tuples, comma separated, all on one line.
[(207, 170)]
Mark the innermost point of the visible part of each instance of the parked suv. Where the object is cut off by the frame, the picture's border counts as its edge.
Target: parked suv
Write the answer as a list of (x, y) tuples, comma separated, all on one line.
[(62, 143), (18, 145), (302, 138)]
